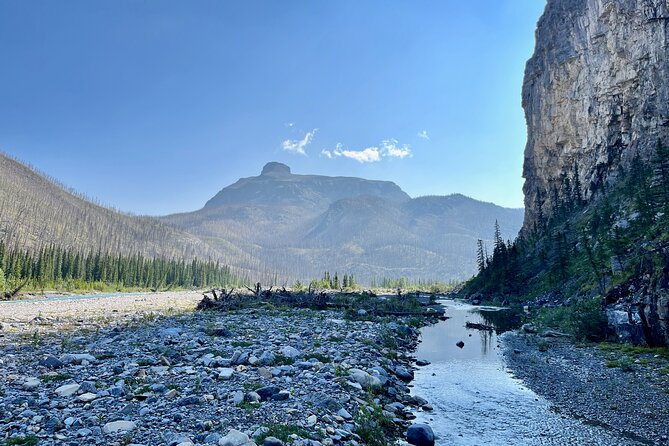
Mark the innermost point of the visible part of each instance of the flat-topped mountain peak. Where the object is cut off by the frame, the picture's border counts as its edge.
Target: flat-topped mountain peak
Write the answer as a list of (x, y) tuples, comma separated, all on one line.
[(275, 168)]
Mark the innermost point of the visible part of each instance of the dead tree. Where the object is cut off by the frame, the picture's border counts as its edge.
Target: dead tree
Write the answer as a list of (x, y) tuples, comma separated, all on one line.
[(17, 290)]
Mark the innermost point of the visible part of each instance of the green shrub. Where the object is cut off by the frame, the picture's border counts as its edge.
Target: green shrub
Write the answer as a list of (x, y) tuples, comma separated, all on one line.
[(282, 432), (373, 427), (30, 440), (583, 320)]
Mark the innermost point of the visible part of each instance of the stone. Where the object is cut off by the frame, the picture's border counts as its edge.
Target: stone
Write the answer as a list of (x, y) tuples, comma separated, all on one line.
[(51, 362), (252, 397), (272, 441), (265, 372), (290, 352), (84, 432), (422, 363), (172, 332), (267, 358), (67, 390), (77, 358), (403, 373), (87, 397), (312, 420), (460, 344), (420, 435), (31, 383), (344, 414), (118, 426), (364, 379), (189, 401), (235, 438), (237, 398), (88, 386), (528, 328), (267, 392), (281, 396), (225, 373)]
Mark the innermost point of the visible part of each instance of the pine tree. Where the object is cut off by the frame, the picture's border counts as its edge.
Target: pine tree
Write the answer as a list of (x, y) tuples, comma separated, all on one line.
[(480, 255), (576, 186), (660, 164)]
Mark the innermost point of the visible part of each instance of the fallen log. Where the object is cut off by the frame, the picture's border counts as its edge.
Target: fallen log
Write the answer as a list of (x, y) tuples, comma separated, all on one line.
[(475, 326)]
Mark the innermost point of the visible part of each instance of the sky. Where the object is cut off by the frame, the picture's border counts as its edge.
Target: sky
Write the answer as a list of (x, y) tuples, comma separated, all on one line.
[(153, 106)]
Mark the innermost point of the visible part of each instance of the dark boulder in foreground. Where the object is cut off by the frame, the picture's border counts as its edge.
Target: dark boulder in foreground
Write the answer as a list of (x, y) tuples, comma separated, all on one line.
[(420, 435)]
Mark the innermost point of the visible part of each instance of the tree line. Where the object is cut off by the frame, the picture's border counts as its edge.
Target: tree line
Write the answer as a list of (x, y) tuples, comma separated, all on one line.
[(59, 268)]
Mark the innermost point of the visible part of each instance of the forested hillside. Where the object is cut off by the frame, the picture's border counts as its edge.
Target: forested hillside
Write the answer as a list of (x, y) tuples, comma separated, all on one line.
[(37, 212)]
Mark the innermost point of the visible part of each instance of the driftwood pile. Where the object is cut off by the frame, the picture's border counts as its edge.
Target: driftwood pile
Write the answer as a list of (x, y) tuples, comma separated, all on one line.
[(355, 304), (232, 299)]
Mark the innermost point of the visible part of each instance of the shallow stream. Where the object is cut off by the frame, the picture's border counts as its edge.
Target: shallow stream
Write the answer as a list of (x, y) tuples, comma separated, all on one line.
[(476, 399)]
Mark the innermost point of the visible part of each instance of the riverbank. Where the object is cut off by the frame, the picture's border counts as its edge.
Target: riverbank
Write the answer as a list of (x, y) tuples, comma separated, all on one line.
[(308, 377), (65, 312), (620, 388)]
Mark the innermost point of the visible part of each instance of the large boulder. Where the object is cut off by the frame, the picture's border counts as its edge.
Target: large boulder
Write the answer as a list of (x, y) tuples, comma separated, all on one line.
[(366, 380), (236, 438), (420, 435), (626, 324)]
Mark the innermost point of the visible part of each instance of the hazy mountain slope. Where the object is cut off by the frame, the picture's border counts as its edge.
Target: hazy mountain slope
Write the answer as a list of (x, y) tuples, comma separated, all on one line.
[(427, 237), (35, 211), (302, 225)]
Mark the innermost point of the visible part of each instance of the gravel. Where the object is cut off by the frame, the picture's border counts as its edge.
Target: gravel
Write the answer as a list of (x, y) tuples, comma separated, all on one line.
[(113, 376), (587, 382)]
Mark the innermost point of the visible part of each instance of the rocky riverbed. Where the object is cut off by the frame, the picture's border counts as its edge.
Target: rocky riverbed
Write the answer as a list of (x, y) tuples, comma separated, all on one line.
[(621, 388), (301, 376)]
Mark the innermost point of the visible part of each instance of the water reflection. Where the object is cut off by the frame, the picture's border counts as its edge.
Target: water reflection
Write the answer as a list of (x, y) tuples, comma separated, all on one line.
[(476, 401)]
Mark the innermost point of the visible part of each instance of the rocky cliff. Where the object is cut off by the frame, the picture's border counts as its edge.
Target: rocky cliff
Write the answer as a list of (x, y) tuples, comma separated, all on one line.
[(596, 92)]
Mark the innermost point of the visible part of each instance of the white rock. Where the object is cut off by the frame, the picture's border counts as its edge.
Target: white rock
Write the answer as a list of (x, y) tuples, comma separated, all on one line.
[(312, 420), (67, 390), (290, 352), (118, 426), (31, 383), (77, 358), (87, 397), (364, 379), (225, 373), (235, 438)]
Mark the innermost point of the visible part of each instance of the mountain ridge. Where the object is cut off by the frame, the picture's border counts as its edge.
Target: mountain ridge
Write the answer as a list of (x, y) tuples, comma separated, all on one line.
[(276, 224)]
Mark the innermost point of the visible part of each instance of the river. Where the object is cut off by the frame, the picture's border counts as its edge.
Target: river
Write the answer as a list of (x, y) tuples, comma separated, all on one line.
[(476, 399)]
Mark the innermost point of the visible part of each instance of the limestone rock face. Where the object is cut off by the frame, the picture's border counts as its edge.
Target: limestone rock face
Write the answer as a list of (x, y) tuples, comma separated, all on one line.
[(596, 92)]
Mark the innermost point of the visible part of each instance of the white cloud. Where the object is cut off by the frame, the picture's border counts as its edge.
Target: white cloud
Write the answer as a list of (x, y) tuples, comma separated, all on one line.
[(391, 148), (423, 134), (289, 124), (298, 145), (368, 155)]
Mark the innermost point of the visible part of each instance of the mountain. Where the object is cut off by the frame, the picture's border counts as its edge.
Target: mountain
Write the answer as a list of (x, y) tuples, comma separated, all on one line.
[(277, 186), (36, 211), (274, 225), (303, 225), (595, 95)]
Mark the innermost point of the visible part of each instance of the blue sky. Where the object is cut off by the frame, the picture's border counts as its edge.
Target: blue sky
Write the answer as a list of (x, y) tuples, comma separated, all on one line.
[(154, 106)]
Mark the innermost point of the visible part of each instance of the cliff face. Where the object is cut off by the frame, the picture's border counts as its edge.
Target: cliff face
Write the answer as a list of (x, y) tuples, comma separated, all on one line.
[(596, 92)]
